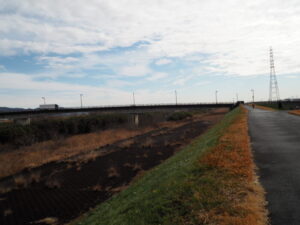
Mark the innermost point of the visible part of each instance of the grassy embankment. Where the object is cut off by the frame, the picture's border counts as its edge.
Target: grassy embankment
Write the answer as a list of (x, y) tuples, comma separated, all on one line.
[(211, 181)]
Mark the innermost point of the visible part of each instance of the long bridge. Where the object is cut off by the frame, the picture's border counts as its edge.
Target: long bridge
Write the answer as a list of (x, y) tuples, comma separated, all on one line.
[(120, 109)]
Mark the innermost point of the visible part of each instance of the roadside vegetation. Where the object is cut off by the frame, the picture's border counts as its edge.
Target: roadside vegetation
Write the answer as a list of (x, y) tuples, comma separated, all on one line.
[(265, 108), (295, 112), (211, 181), (269, 105), (54, 128), (281, 105), (179, 116), (18, 135)]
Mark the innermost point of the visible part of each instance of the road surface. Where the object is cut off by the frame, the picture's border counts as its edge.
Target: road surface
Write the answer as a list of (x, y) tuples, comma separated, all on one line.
[(275, 138)]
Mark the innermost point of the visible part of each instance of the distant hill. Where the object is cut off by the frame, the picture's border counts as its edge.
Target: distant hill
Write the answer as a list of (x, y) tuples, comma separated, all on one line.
[(7, 109)]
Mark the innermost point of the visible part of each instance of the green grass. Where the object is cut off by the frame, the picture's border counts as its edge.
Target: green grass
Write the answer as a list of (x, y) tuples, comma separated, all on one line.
[(164, 194)]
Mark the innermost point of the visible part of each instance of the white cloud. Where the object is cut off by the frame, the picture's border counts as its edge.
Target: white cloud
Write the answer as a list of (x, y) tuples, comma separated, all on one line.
[(180, 81), (157, 76), (203, 83), (26, 82), (31, 90), (231, 37), (234, 34), (292, 76), (163, 61), (63, 93), (134, 70), (117, 83)]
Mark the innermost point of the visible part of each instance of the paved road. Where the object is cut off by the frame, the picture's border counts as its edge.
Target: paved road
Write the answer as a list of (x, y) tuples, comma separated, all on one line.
[(275, 138)]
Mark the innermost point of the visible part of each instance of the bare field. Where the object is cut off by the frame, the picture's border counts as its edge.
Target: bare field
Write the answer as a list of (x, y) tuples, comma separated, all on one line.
[(56, 150), (68, 186)]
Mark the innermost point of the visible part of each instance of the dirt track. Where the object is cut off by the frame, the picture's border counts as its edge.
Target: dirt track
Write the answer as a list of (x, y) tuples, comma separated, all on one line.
[(64, 190)]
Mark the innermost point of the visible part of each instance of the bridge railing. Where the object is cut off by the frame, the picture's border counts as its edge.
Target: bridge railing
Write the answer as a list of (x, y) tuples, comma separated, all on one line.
[(150, 105), (119, 107)]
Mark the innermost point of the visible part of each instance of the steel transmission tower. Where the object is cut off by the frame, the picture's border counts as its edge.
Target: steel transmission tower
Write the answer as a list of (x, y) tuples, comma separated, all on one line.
[(274, 90)]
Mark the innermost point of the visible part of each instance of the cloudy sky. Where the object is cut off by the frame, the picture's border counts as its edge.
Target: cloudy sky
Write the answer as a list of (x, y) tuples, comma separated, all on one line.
[(105, 50)]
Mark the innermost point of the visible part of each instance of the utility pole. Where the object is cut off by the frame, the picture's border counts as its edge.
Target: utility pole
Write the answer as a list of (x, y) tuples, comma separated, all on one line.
[(274, 90), (44, 100), (81, 100), (237, 97), (133, 97), (216, 93), (252, 95), (176, 97)]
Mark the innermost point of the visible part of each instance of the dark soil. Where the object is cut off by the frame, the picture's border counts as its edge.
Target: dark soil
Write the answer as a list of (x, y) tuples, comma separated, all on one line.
[(64, 190)]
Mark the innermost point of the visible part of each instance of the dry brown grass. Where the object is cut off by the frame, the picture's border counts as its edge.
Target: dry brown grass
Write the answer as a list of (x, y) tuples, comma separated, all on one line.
[(112, 172), (127, 143), (21, 181), (295, 112), (242, 192), (49, 151), (134, 166), (147, 143), (35, 177), (47, 220), (264, 108), (53, 183), (97, 188), (118, 189)]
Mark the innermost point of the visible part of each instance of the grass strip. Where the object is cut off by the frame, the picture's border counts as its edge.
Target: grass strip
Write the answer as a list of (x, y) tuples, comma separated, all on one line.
[(185, 189), (228, 176)]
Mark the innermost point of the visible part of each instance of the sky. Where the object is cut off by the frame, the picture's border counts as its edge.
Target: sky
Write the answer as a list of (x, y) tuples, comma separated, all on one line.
[(106, 50)]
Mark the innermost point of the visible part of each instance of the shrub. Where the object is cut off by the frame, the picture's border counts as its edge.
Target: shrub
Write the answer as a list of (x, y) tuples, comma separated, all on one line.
[(46, 129), (179, 116)]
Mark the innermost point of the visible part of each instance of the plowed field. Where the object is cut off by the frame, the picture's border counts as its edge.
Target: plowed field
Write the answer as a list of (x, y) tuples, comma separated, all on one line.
[(61, 191)]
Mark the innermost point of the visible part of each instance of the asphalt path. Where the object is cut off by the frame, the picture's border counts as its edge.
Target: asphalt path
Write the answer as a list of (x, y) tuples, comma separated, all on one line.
[(275, 138)]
